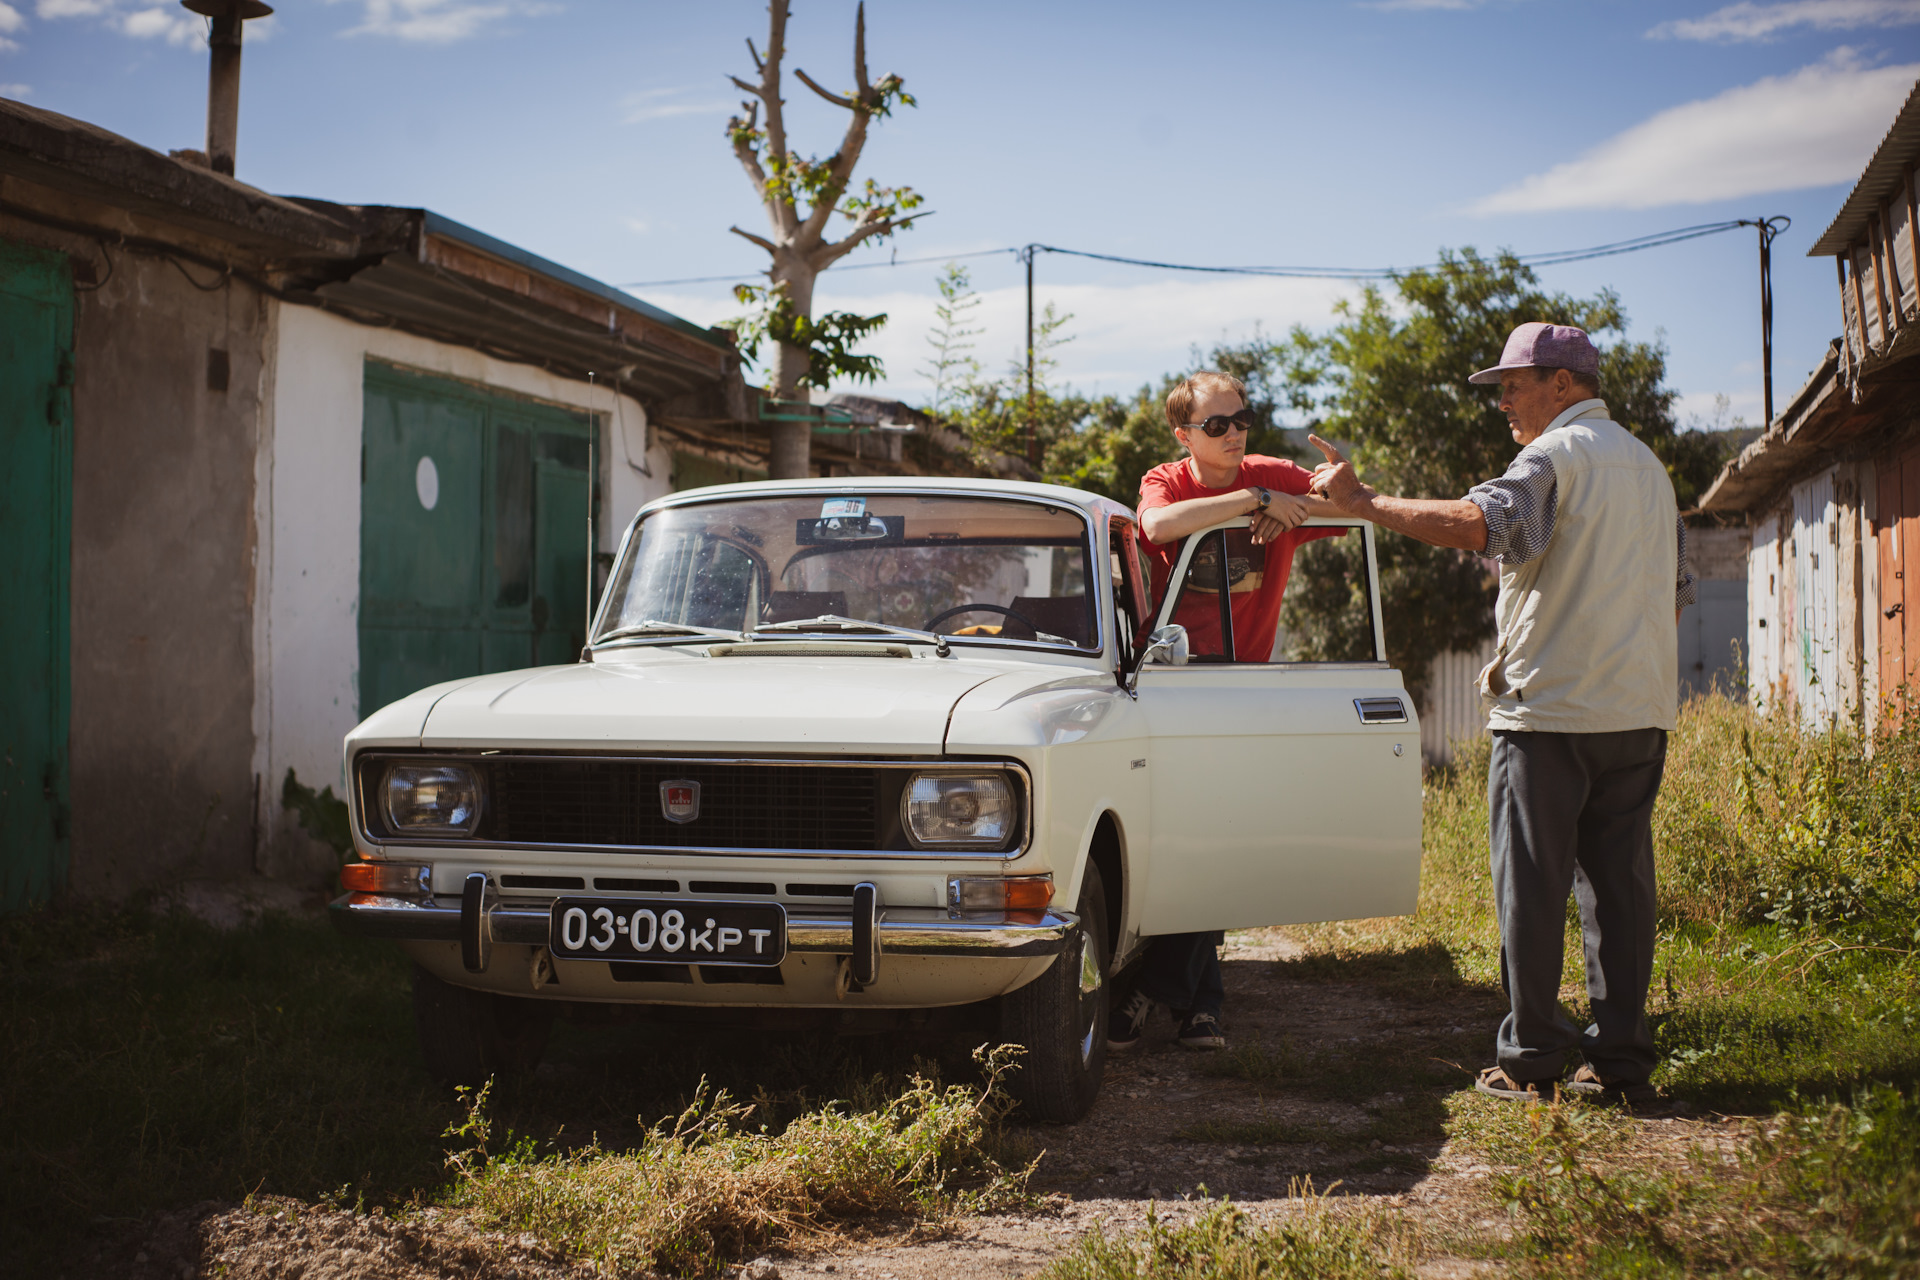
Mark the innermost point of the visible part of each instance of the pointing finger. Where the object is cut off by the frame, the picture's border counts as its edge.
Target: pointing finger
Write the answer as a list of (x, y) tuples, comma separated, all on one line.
[(1333, 455)]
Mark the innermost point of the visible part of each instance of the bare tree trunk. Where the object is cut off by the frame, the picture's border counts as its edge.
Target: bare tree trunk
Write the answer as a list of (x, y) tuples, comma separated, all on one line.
[(796, 241)]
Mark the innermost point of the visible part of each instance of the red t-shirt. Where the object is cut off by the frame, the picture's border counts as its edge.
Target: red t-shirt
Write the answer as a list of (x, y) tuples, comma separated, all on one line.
[(1257, 592)]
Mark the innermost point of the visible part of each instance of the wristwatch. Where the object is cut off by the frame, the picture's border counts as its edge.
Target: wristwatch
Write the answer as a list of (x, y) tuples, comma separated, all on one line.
[(1265, 496)]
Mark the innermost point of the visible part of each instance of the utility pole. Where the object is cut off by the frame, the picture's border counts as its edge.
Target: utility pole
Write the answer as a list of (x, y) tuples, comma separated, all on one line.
[(1033, 436), (1768, 229)]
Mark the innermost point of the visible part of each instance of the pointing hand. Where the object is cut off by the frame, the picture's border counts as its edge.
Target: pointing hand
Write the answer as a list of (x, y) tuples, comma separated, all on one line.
[(1334, 479)]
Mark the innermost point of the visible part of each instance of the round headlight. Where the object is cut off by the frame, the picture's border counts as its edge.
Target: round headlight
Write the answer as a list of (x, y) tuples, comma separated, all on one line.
[(954, 809), (432, 799)]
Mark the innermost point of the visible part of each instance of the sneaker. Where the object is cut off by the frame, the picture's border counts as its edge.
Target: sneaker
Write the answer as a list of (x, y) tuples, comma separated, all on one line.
[(1126, 1024), (1201, 1031)]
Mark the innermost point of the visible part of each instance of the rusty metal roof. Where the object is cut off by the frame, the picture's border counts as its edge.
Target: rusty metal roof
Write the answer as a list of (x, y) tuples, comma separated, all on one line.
[(1881, 178)]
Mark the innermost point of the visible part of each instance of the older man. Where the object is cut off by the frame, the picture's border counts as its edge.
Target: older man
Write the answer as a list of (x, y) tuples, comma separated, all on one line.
[(1581, 695)]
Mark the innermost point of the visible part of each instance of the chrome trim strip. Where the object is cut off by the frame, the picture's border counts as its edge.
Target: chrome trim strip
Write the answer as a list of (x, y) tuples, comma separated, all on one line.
[(948, 764), (908, 931)]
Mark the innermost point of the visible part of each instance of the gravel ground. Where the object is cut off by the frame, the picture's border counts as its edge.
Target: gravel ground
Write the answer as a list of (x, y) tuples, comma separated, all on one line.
[(1134, 1150)]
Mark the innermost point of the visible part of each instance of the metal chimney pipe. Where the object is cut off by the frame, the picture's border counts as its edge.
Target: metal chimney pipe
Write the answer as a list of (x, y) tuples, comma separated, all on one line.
[(223, 83)]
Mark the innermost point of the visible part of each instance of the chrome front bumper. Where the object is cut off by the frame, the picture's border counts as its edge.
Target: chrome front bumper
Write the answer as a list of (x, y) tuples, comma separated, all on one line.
[(865, 934)]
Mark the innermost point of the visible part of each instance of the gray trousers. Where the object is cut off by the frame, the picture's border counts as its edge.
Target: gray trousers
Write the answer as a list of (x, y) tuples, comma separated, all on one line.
[(1573, 812)]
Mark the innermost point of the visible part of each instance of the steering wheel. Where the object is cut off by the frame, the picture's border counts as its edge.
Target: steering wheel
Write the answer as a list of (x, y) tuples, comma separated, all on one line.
[(932, 623)]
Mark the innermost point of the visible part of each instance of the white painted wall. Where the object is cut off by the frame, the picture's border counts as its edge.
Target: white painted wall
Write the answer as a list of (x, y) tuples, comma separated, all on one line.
[(307, 514)]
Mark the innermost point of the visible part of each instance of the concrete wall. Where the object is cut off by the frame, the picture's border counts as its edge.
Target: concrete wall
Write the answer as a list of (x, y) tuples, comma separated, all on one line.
[(306, 638), (162, 569)]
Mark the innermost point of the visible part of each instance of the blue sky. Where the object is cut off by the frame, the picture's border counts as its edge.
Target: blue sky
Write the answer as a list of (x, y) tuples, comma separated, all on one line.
[(1355, 134)]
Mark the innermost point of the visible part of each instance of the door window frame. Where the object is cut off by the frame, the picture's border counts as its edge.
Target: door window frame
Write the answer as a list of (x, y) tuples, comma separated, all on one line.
[(1163, 611)]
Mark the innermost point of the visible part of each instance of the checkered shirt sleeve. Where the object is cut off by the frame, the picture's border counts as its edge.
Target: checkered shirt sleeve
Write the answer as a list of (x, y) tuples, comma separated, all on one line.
[(1520, 506)]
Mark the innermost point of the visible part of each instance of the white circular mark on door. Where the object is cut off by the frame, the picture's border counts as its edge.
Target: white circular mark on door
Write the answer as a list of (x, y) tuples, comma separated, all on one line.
[(426, 482)]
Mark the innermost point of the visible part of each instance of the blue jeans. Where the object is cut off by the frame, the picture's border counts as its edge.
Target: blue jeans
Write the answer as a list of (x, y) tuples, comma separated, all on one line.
[(1182, 971)]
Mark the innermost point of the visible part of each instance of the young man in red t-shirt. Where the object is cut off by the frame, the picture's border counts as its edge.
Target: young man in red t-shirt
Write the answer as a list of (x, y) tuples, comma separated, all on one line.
[(1216, 481)]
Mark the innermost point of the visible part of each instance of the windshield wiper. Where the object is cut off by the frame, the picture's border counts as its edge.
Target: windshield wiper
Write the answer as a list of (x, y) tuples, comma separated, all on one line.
[(834, 622), (655, 627)]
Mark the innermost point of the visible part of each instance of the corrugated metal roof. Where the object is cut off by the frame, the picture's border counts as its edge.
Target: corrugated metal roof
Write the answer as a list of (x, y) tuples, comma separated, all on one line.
[(1881, 177)]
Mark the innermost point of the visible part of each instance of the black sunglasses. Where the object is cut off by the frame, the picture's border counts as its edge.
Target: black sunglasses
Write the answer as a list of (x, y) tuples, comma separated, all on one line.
[(1220, 423)]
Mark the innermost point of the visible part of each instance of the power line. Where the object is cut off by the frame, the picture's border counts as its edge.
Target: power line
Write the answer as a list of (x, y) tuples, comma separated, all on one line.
[(855, 266), (1553, 258)]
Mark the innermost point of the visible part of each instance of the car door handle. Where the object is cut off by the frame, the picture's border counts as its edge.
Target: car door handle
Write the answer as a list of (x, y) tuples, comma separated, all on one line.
[(1381, 710)]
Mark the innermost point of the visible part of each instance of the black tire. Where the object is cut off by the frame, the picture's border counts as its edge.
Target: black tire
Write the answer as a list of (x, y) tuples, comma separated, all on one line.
[(468, 1037), (1062, 1027)]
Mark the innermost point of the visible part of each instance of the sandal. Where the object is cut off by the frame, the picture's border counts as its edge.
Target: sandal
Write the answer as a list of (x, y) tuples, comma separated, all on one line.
[(1590, 1083), (1496, 1083)]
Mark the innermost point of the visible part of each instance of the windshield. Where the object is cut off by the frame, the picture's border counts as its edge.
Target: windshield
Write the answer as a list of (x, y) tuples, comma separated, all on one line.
[(987, 570)]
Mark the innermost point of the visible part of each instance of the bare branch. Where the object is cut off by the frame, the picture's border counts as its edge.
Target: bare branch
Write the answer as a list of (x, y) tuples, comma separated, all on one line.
[(780, 210), (828, 254), (834, 98), (762, 241), (755, 55), (860, 51), (743, 152), (753, 89)]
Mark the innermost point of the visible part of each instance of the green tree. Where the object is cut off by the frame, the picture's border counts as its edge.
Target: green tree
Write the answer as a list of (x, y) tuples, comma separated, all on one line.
[(1391, 377)]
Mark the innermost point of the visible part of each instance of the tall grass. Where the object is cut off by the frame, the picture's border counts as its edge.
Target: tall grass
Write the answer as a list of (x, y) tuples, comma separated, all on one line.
[(1787, 981), (1218, 1242), (712, 1185)]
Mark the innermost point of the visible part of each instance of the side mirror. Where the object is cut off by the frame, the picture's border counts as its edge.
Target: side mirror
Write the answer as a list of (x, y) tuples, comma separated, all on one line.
[(1168, 644)]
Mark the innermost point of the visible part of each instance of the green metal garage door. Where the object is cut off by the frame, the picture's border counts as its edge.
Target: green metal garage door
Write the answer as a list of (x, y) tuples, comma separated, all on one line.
[(36, 479), (473, 533)]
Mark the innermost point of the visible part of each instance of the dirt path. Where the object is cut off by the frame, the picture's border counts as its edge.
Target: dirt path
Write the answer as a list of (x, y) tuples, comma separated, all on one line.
[(1340, 1082)]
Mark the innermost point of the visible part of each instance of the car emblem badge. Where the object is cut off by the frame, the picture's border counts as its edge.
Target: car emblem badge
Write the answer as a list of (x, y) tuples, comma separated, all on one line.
[(680, 800)]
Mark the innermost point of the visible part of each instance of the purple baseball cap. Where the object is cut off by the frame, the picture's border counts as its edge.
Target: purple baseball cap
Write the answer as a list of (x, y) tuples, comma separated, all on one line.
[(1545, 346)]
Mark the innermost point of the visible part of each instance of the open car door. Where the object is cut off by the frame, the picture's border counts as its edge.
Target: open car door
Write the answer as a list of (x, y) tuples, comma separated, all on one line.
[(1286, 785)]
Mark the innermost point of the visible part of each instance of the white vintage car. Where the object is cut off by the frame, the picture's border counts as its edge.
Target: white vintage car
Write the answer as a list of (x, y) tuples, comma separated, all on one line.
[(877, 747)]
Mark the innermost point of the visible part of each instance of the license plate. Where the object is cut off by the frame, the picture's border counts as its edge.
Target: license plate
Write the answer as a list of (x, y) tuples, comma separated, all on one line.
[(670, 929)]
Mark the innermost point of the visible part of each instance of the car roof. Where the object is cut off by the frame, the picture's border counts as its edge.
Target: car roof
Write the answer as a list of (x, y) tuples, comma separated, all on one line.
[(1093, 504)]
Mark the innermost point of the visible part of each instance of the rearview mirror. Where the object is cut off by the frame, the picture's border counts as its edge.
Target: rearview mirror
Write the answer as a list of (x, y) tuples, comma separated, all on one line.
[(1167, 644)]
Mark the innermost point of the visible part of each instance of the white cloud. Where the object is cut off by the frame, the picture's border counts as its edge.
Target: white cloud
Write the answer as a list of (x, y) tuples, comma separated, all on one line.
[(175, 26), (1812, 128), (657, 104), (10, 19), (9, 46), (72, 8), (439, 21), (1748, 21), (15, 90), (638, 226)]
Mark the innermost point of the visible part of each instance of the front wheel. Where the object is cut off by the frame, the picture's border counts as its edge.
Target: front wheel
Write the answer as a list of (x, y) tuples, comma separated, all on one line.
[(1060, 1018), (470, 1036)]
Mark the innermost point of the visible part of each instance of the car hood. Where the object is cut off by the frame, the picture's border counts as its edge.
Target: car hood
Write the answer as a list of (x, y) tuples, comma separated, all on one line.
[(676, 699)]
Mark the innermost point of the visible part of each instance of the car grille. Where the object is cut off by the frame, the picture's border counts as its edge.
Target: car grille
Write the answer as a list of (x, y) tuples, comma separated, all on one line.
[(742, 806)]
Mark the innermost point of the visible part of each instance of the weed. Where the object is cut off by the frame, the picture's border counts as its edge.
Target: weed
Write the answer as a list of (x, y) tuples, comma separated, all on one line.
[(321, 814), (1219, 1243), (707, 1188)]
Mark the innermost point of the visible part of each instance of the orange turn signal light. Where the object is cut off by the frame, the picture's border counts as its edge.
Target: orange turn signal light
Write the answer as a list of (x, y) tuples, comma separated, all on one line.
[(1000, 893), (385, 877)]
